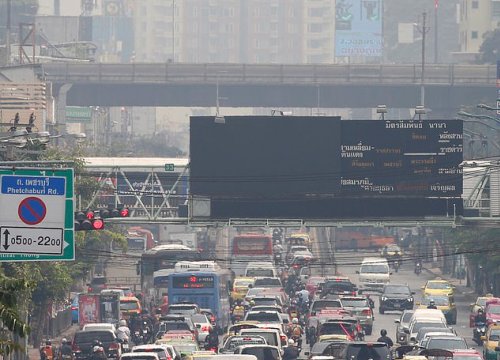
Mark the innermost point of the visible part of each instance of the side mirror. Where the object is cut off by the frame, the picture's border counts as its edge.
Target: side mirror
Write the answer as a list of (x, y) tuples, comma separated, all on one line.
[(390, 273), (198, 326), (423, 287), (306, 353), (407, 331), (497, 348), (413, 292), (396, 321), (357, 271), (413, 338)]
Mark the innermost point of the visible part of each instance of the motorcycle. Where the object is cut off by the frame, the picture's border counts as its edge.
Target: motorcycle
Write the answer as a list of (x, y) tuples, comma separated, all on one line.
[(137, 337), (125, 346), (418, 268), (479, 330), (98, 353), (396, 265)]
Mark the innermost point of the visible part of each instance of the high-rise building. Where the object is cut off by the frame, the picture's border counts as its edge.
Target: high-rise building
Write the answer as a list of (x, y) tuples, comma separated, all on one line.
[(235, 31), (477, 17)]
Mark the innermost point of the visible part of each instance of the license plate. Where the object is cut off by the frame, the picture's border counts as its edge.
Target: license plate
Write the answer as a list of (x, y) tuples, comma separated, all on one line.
[(396, 305), (125, 346)]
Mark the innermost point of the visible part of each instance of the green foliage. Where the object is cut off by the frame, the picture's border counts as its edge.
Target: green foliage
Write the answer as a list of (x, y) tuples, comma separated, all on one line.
[(490, 48), (10, 290), (480, 246)]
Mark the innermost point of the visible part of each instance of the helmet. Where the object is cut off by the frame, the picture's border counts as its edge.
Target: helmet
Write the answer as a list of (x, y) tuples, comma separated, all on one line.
[(383, 332), (48, 342), (64, 341), (291, 342), (145, 312), (123, 322), (96, 348), (295, 321), (480, 311), (431, 302)]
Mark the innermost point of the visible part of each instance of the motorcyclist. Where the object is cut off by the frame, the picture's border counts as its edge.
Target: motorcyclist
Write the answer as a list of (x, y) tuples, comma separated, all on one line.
[(432, 305), (123, 332), (98, 352), (385, 339), (480, 318), (311, 335), (48, 351), (418, 266), (303, 299), (148, 323), (291, 352), (65, 351), (238, 311), (212, 340), (296, 332)]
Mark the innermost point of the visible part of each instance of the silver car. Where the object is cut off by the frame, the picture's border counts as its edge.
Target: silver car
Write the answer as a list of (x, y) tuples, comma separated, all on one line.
[(403, 323), (203, 325)]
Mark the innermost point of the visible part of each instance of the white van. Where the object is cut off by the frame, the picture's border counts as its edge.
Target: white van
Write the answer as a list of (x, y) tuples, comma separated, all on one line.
[(261, 269), (373, 274)]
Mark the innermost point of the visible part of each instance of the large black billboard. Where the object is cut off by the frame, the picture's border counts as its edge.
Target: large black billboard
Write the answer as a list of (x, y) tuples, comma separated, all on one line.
[(325, 168), (264, 156)]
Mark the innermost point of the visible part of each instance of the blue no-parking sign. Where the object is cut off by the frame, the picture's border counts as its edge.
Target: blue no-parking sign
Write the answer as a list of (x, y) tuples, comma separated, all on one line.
[(36, 219)]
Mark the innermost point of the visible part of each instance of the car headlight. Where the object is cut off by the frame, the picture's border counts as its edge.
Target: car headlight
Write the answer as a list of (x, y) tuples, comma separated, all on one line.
[(383, 298), (410, 299)]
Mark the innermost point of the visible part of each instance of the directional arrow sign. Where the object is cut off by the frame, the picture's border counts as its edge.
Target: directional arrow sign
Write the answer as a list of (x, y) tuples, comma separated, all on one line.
[(27, 240), (6, 234)]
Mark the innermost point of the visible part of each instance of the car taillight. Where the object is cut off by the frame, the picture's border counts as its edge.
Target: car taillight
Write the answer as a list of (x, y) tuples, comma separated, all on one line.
[(74, 308), (283, 339), (75, 348), (205, 328), (114, 346)]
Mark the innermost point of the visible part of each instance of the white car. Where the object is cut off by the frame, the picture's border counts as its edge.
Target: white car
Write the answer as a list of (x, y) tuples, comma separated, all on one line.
[(159, 350), (203, 325), (140, 356)]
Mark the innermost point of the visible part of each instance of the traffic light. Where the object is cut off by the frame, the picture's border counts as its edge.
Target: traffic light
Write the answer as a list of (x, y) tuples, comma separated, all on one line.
[(114, 212), (88, 220)]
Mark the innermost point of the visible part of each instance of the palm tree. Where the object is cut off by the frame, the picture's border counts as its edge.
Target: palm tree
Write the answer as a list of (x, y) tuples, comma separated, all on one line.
[(9, 316)]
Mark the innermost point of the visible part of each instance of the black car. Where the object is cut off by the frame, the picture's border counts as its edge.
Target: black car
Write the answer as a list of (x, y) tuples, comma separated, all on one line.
[(397, 297), (337, 286), (83, 343)]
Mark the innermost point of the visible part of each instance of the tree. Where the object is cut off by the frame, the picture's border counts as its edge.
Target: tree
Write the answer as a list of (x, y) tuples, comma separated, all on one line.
[(9, 316), (490, 48)]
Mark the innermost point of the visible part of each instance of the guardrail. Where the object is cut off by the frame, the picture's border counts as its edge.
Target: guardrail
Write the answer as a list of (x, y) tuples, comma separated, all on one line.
[(446, 74)]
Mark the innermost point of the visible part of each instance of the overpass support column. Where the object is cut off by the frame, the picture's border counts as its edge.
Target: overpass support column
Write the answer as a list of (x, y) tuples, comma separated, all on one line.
[(60, 109)]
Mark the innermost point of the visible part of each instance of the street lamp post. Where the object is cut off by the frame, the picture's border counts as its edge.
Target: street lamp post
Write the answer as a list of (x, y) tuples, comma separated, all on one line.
[(424, 30), (173, 30)]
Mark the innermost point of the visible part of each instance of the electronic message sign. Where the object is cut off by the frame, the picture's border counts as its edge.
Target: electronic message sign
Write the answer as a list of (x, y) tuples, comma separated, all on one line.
[(323, 168)]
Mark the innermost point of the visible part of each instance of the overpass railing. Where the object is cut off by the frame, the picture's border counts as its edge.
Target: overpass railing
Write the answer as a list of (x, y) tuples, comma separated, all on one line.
[(435, 74)]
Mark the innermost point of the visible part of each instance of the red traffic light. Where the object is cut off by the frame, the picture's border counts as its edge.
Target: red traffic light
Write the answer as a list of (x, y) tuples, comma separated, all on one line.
[(90, 215), (125, 212), (98, 224)]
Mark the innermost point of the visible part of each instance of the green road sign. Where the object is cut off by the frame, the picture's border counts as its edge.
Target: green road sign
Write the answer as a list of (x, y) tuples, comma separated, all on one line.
[(169, 167), (78, 114), (37, 221)]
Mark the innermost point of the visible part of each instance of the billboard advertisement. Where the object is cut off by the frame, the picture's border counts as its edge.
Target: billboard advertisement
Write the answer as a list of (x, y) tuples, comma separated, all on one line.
[(358, 28)]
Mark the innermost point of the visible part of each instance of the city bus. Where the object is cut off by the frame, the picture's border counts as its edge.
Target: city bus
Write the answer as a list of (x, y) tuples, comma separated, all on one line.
[(204, 284), (250, 247), (161, 257)]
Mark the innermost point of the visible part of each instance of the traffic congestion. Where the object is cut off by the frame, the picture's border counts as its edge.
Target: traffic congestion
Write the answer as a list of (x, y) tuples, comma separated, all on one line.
[(279, 299)]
